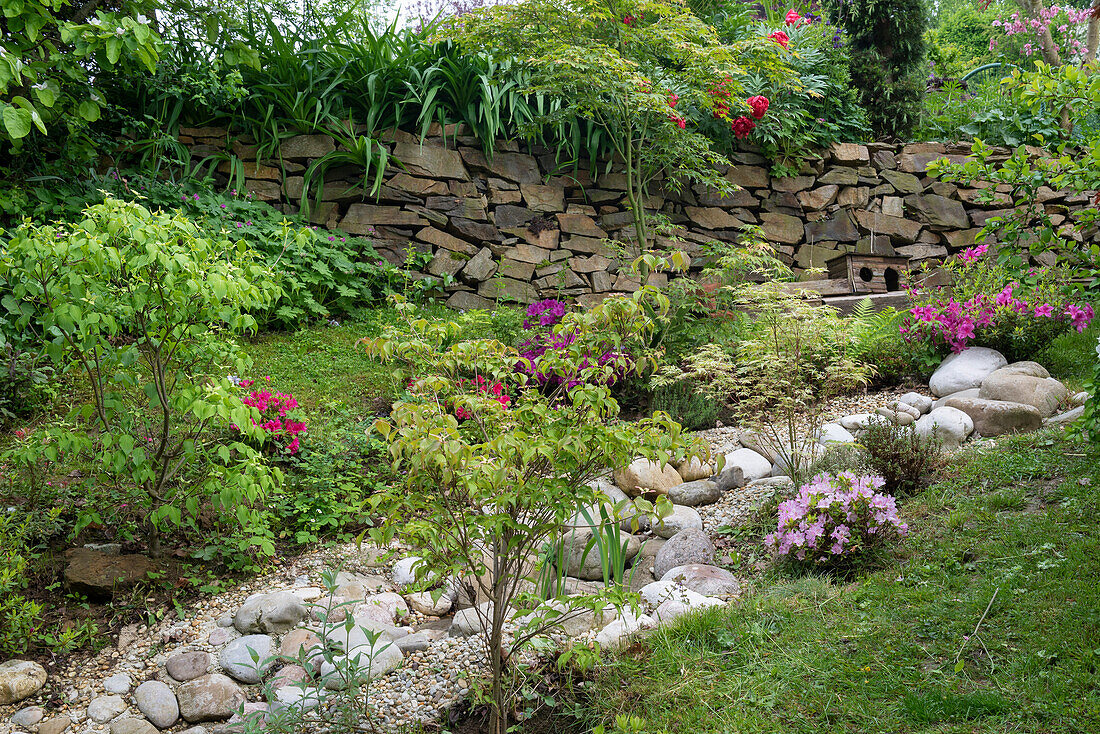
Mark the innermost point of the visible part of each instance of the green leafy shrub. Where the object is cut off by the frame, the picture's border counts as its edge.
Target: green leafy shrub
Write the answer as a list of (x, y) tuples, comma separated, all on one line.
[(488, 480), (141, 307), (327, 485), (25, 383), (20, 619), (700, 391), (901, 456), (819, 108), (886, 49)]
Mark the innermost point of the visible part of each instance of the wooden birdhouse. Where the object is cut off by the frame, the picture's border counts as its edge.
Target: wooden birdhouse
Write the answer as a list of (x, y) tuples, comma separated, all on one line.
[(870, 273)]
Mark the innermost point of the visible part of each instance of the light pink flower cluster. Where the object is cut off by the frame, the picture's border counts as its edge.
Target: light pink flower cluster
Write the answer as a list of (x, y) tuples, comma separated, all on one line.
[(1063, 18), (835, 517), (275, 418)]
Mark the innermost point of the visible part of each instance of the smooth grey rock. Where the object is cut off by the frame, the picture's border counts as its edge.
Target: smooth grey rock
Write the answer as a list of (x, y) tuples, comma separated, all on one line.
[(998, 417), (187, 666), (213, 697), (237, 657), (965, 370), (366, 656), (156, 700), (752, 464), (104, 708), (681, 518), (695, 493), (1080, 398), (118, 684), (132, 726), (273, 613), (835, 433), (28, 717), (467, 622), (418, 641), (781, 481), (1043, 393), (694, 469), (20, 679), (686, 547), (643, 475), (1068, 417), (732, 476), (922, 403), (856, 421), (704, 579), (899, 417), (582, 556), (941, 402), (950, 425)]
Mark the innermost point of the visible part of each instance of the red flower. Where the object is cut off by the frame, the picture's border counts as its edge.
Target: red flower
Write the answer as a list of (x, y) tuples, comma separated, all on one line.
[(759, 105), (680, 122), (629, 20), (793, 18), (742, 126), (721, 109), (673, 99), (781, 38)]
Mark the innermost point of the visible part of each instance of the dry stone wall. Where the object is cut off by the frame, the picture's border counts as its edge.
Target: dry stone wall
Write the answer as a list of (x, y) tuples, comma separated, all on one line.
[(522, 226)]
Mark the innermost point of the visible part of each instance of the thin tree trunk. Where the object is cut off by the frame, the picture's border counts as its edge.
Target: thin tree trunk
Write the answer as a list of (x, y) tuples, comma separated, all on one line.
[(1092, 36)]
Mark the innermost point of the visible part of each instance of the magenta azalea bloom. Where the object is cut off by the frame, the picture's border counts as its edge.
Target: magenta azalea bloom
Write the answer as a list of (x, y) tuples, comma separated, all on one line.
[(1046, 310)]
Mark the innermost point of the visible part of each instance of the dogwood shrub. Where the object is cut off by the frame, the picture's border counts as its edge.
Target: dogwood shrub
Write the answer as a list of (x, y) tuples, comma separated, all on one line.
[(834, 518)]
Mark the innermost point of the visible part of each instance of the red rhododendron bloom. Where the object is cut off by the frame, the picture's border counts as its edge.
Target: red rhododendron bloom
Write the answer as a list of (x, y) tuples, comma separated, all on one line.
[(673, 99), (759, 105), (781, 38), (629, 20), (680, 122), (742, 126), (793, 18)]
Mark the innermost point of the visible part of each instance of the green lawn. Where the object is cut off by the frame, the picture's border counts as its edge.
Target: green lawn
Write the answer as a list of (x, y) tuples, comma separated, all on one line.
[(329, 374), (1013, 524)]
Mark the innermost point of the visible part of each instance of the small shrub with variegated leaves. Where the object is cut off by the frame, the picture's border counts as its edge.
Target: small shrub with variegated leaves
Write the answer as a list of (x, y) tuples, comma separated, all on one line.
[(835, 518)]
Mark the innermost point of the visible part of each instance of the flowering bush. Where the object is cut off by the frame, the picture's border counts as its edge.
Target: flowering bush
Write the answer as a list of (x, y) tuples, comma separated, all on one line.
[(541, 353), (986, 306), (835, 518), (276, 421), (814, 113), (1064, 26), (482, 387)]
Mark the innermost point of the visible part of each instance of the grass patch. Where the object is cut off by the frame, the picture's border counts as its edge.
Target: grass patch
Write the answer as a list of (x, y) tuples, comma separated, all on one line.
[(1071, 356), (325, 370), (896, 649)]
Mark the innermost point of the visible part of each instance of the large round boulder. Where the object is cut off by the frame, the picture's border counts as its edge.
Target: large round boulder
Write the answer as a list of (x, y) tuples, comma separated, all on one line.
[(997, 417), (1008, 384), (156, 700), (642, 475), (752, 464), (693, 494), (965, 370), (582, 556), (213, 697), (681, 518), (688, 546), (20, 679), (704, 579), (950, 425), (248, 658), (269, 613)]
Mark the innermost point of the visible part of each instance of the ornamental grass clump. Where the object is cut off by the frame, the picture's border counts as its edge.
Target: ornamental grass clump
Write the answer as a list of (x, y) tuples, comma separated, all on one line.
[(835, 518)]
